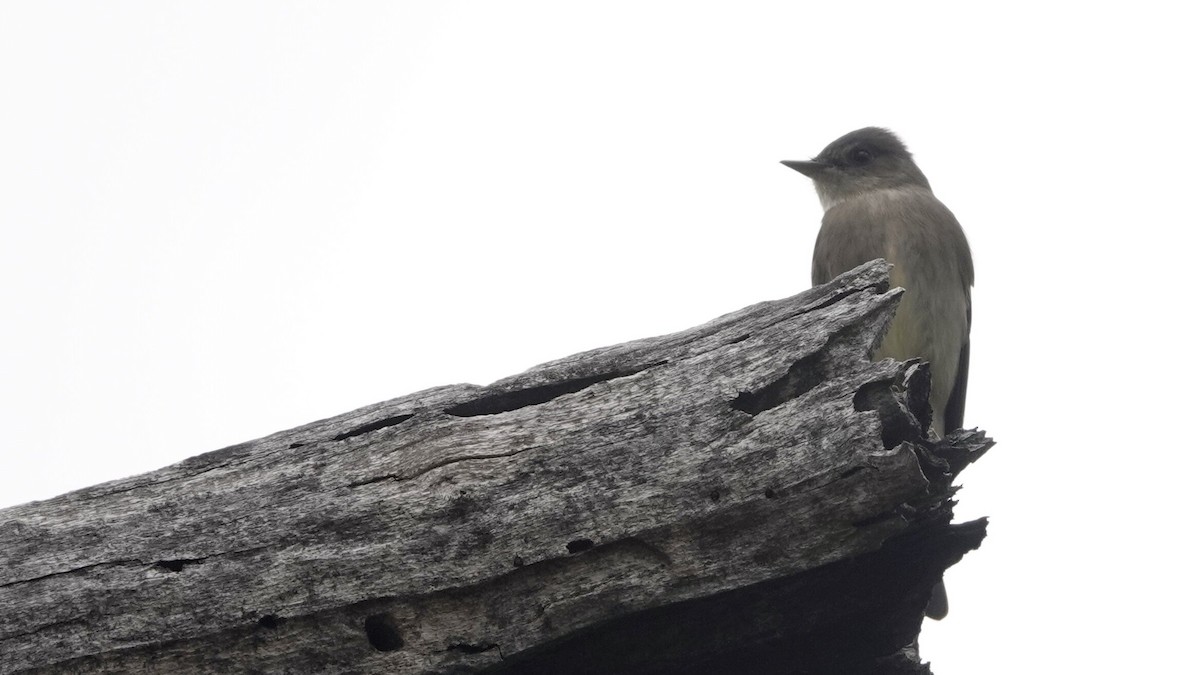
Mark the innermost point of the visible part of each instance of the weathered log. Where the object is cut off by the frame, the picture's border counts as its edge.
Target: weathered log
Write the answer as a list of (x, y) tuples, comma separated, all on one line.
[(750, 495)]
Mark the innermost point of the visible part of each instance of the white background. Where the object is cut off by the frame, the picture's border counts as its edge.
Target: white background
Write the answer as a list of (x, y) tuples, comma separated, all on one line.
[(225, 219)]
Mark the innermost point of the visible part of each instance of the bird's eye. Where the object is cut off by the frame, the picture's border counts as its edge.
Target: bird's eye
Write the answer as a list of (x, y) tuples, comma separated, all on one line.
[(861, 156)]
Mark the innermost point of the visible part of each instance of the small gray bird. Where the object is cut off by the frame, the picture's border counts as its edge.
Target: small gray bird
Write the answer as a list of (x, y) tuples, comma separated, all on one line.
[(878, 204)]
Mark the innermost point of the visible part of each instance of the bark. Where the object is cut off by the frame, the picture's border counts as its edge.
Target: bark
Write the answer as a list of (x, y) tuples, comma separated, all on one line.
[(749, 495)]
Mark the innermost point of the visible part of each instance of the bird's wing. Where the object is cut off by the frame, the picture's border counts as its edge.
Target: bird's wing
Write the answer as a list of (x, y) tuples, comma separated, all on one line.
[(822, 272), (956, 406), (850, 236)]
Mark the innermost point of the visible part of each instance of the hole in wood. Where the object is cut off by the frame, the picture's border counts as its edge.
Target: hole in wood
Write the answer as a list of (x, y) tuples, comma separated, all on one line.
[(896, 421), (372, 426), (271, 621), (579, 545), (799, 379), (176, 565), (382, 633), (468, 648)]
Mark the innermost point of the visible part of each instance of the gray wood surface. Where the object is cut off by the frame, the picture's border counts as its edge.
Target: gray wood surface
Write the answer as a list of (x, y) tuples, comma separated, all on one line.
[(465, 528)]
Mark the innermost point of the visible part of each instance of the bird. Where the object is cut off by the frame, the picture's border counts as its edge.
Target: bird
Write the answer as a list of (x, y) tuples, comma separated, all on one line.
[(878, 204)]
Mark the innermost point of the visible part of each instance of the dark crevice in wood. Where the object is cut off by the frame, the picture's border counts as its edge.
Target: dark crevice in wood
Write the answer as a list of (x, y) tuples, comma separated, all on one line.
[(74, 570), (508, 401), (579, 545), (177, 565), (271, 622), (382, 633), (373, 480), (447, 462), (373, 426), (800, 378), (472, 648), (879, 289), (890, 400)]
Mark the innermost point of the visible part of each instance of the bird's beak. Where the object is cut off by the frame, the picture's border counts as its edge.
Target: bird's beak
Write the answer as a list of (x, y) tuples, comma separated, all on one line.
[(810, 168)]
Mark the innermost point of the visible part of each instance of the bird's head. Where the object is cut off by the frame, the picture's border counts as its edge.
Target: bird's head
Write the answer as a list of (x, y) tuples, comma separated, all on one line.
[(861, 161)]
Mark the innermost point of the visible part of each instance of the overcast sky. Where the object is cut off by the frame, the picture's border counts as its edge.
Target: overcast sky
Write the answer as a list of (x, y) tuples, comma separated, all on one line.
[(223, 219)]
